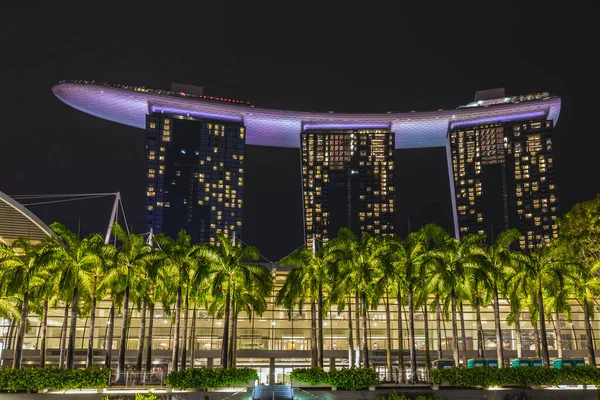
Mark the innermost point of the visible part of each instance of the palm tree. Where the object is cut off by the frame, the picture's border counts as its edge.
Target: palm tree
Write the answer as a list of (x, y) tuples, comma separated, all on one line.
[(158, 288), (451, 260), (496, 259), (8, 309), (130, 258), (305, 282), (95, 285), (387, 280), (19, 264), (540, 270), (77, 262), (232, 271), (363, 258), (408, 257), (583, 284), (341, 295), (181, 257), (45, 291)]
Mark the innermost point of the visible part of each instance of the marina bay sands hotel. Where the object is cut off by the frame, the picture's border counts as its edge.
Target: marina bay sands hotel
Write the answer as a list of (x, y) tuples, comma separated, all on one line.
[(499, 153)]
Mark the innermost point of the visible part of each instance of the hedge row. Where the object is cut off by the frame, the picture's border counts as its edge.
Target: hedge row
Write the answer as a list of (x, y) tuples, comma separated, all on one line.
[(36, 379), (347, 378), (395, 396), (521, 376), (205, 378)]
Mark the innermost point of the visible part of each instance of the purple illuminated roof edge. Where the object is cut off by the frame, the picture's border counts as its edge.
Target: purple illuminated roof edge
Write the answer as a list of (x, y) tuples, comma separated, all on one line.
[(198, 114), (326, 125), (499, 118)]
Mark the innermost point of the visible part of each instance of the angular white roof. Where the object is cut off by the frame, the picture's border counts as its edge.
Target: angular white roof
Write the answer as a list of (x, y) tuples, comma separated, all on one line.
[(18, 222)]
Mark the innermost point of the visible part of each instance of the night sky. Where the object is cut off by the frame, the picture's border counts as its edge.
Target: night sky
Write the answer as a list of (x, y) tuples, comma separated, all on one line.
[(374, 58)]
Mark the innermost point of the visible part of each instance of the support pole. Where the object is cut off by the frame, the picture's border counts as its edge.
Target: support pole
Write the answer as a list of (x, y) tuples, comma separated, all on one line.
[(113, 217)]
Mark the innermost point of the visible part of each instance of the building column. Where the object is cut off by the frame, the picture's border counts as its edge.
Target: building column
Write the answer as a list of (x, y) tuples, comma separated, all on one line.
[(272, 371)]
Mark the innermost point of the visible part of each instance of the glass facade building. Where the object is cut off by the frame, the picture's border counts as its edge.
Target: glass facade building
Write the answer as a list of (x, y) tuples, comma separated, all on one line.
[(195, 176), (347, 182), (274, 344), (503, 178)]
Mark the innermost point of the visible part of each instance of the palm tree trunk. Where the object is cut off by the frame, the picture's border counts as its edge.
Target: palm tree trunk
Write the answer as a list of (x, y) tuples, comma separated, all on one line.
[(9, 334), (518, 334), (438, 316), (454, 328), (109, 340), (141, 336), (358, 336), (351, 359), (149, 338), (574, 336), (90, 350), (463, 333), (175, 354), (364, 330), (225, 346), (499, 344), (186, 308), (480, 345), (588, 333), (313, 335), (388, 338), (232, 318), (545, 353), (44, 334), (537, 340), (411, 336), (558, 336), (320, 326), (71, 347), (192, 344), (426, 325), (21, 334), (233, 341), (400, 339), (123, 344), (85, 327), (63, 337)]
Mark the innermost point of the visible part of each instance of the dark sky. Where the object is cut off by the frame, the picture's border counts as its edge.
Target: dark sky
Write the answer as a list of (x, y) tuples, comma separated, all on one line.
[(419, 55)]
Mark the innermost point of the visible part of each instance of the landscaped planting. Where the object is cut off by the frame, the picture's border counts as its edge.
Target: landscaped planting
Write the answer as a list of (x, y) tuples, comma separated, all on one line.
[(33, 380), (401, 396), (345, 378), (138, 396), (206, 378), (520, 376)]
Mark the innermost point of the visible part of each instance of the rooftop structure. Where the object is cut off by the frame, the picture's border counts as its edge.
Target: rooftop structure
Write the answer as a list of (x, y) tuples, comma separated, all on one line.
[(129, 105), (18, 222)]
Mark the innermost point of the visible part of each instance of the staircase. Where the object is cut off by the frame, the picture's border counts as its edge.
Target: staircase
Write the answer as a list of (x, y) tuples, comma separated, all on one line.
[(273, 392)]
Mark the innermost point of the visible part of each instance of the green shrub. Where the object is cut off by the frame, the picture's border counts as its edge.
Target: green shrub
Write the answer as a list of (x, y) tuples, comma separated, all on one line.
[(36, 379), (138, 396), (395, 396), (347, 378), (312, 375), (352, 378), (519, 376), (588, 375), (205, 378)]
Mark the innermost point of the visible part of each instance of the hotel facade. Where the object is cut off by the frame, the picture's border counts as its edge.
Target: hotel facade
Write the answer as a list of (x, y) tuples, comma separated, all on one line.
[(501, 172)]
